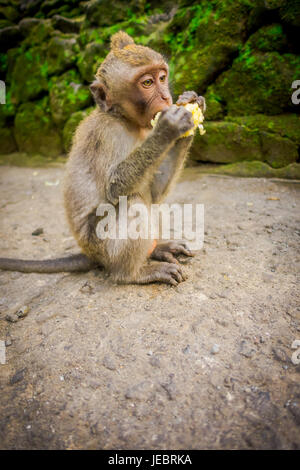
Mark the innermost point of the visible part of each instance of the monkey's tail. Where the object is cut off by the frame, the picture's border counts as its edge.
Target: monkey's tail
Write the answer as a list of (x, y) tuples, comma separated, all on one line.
[(72, 263)]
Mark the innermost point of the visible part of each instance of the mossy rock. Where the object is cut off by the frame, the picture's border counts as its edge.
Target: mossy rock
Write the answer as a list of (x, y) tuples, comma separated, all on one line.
[(35, 31), (90, 59), (268, 38), (7, 110), (215, 109), (29, 75), (257, 169), (11, 57), (195, 69), (71, 125), (61, 54), (9, 37), (5, 23), (29, 8), (7, 141), (68, 95), (286, 125), (66, 25), (35, 131), (226, 142), (258, 83), (9, 12), (290, 12), (231, 142), (104, 13), (69, 8), (278, 151), (210, 38), (27, 24)]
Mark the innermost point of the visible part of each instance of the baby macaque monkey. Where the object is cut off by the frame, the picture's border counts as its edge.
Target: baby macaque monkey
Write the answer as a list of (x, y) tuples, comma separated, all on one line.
[(115, 152)]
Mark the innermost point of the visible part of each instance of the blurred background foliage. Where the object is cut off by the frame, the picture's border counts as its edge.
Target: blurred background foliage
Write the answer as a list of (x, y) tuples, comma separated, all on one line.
[(242, 55)]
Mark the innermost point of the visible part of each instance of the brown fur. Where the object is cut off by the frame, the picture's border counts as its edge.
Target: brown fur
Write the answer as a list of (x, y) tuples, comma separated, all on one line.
[(116, 153)]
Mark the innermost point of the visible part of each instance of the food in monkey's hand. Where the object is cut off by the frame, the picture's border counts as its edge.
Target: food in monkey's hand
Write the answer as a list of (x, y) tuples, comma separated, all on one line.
[(198, 119)]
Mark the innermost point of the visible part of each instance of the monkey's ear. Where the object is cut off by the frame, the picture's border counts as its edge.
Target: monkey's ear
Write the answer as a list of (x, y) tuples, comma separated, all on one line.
[(99, 93)]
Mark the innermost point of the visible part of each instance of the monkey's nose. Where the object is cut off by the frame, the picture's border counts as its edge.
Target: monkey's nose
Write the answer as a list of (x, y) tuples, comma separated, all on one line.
[(167, 100)]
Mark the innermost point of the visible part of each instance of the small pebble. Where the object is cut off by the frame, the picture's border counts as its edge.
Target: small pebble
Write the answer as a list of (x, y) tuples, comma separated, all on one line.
[(38, 231), (12, 317), (23, 312), (109, 363), (215, 349)]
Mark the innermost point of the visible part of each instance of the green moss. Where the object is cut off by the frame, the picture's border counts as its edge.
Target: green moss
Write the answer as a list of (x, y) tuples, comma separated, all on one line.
[(35, 131), (28, 80), (90, 59), (68, 95), (207, 44), (210, 51), (28, 160), (258, 83), (267, 39), (71, 125), (226, 142), (254, 169), (38, 33), (61, 54), (7, 141), (3, 63), (230, 142), (7, 110), (286, 125)]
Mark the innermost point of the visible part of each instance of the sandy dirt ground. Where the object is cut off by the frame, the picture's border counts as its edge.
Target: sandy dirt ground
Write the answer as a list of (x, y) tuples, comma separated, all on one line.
[(204, 365)]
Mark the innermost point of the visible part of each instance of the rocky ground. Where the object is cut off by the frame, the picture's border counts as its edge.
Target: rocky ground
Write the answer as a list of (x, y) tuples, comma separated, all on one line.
[(207, 364)]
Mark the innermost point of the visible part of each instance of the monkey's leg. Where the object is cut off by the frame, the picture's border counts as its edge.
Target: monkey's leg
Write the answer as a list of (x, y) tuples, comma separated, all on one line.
[(127, 260), (167, 175), (127, 263), (168, 172)]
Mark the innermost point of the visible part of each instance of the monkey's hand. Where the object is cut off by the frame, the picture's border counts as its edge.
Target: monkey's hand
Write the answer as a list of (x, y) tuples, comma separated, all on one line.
[(167, 251), (191, 97), (174, 122)]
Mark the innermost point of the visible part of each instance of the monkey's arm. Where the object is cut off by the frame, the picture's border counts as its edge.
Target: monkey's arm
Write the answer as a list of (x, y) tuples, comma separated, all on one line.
[(126, 177), (170, 168), (140, 166)]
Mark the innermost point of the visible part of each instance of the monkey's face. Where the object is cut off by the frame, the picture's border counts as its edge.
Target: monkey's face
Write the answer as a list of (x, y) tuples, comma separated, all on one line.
[(148, 94)]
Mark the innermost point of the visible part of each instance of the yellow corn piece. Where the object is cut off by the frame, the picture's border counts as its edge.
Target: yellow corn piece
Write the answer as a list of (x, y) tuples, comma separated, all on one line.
[(197, 117)]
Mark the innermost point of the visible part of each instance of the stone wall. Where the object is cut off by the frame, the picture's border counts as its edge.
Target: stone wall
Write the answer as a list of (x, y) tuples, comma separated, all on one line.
[(242, 55)]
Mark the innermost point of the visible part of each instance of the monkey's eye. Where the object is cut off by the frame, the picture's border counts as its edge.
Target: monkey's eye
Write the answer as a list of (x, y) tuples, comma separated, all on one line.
[(162, 78), (147, 83)]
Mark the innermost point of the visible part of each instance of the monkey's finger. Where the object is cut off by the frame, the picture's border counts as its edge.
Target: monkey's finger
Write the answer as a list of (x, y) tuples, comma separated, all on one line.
[(161, 276), (179, 249), (186, 247), (176, 274), (167, 256), (201, 103), (175, 269), (187, 97)]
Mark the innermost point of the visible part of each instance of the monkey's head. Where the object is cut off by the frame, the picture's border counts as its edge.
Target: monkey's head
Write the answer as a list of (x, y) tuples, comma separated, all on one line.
[(132, 80)]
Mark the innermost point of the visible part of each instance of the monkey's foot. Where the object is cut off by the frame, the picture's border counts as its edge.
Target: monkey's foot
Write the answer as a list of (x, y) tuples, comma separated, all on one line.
[(168, 251), (169, 273)]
